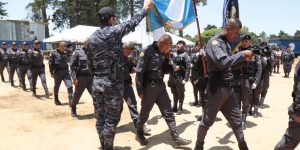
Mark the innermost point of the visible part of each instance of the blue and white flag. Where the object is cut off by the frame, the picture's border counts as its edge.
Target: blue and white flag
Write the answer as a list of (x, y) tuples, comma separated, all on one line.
[(230, 10), (174, 13)]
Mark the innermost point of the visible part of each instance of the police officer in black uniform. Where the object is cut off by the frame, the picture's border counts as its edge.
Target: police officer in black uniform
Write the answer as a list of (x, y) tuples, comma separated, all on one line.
[(3, 60), (13, 63), (288, 57), (220, 80), (59, 70), (267, 62), (198, 78), (129, 96), (291, 138), (81, 76), (177, 79), (24, 65), (246, 77), (150, 70), (38, 68)]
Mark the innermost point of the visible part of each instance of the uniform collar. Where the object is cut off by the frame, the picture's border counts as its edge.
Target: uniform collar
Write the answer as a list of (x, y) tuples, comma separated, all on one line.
[(154, 44)]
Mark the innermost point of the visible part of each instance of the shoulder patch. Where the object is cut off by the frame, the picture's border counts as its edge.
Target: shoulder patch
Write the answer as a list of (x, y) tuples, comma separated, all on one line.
[(214, 42), (142, 54)]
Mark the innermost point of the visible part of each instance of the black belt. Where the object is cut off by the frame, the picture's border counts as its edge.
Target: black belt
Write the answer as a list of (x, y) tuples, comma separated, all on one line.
[(227, 84), (154, 82)]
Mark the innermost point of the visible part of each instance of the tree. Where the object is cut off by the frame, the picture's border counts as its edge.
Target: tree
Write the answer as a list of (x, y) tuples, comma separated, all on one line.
[(209, 26), (283, 35), (273, 36), (263, 36), (2, 10), (206, 35), (188, 37), (297, 34), (38, 12)]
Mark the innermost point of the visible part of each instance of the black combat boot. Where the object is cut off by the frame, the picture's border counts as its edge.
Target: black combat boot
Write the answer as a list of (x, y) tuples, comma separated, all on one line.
[(174, 108), (261, 102), (199, 146), (2, 78), (250, 111), (243, 146), (244, 116), (195, 103), (73, 112), (56, 100), (33, 92), (179, 112), (178, 140), (255, 114), (108, 147), (12, 83), (140, 135), (146, 130), (199, 104), (288, 75), (102, 146)]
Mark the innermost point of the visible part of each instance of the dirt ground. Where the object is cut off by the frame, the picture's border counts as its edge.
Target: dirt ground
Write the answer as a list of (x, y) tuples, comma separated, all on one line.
[(29, 123)]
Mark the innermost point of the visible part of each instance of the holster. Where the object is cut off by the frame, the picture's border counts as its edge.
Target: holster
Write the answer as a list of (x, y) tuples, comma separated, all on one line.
[(117, 72)]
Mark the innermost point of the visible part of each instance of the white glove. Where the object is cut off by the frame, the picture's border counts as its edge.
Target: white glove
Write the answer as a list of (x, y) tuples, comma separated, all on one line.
[(265, 58), (198, 54), (183, 82), (192, 65), (254, 86)]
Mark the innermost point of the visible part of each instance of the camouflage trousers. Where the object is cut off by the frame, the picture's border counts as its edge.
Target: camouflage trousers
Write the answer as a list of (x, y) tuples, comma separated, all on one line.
[(109, 105)]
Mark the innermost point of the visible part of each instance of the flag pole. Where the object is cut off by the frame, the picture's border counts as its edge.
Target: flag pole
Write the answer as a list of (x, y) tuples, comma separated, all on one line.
[(199, 35)]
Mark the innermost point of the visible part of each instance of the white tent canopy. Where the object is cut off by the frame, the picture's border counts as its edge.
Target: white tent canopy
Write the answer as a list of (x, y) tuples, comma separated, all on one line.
[(80, 33), (77, 34)]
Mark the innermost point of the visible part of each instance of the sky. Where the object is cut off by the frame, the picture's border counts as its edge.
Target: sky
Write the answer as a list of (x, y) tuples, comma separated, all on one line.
[(270, 16)]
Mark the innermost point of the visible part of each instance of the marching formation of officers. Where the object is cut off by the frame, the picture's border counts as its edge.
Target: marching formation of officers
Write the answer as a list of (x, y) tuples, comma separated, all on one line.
[(24, 61), (233, 82)]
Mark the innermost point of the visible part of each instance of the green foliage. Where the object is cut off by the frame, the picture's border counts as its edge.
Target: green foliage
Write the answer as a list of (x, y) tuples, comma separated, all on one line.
[(284, 35), (297, 34), (2, 11)]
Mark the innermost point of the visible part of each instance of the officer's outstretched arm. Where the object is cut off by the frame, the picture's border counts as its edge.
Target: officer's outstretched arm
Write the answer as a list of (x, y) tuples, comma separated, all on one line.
[(129, 25)]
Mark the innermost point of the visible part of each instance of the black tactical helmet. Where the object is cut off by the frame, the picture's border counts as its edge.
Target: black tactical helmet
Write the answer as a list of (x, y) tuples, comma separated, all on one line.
[(25, 43), (105, 13), (14, 43)]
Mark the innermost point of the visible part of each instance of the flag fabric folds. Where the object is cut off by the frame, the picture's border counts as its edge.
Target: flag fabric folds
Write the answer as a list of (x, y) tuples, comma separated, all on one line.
[(230, 10), (174, 13)]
